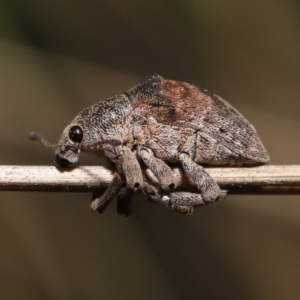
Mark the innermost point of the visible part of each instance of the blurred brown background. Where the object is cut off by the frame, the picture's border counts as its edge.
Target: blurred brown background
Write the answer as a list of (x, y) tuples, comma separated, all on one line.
[(57, 57)]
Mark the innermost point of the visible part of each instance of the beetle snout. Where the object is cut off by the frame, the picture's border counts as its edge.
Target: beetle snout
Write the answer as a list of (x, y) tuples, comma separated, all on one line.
[(61, 162)]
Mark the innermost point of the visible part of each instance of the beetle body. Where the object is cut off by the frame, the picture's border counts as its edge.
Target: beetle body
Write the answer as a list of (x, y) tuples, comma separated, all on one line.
[(162, 121)]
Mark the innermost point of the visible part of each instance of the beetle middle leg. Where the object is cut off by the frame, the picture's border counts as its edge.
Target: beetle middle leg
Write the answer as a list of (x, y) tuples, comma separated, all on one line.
[(159, 168)]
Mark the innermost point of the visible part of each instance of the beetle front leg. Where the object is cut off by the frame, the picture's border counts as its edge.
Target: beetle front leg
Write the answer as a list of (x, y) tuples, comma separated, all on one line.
[(125, 199), (210, 190), (100, 200), (125, 162)]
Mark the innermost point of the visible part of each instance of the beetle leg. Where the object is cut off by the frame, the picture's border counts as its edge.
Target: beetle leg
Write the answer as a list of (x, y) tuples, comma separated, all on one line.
[(101, 199), (184, 202), (149, 190), (210, 190), (159, 168), (125, 199), (125, 162)]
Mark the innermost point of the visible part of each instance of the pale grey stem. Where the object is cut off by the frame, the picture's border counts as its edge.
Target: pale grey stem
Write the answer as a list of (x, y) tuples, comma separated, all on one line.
[(269, 179)]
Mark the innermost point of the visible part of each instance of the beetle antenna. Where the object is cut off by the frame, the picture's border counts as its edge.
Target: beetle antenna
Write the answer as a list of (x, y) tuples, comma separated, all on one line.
[(34, 136)]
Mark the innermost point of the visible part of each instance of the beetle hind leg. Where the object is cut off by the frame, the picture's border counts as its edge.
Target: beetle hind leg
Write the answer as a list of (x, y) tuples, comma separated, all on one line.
[(182, 202), (210, 191)]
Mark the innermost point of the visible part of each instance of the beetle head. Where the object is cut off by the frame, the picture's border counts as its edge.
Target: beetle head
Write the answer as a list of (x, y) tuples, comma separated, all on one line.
[(73, 140), (91, 128), (68, 148)]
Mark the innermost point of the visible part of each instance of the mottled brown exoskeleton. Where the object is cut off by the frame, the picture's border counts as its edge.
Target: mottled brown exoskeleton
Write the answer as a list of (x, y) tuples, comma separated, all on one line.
[(161, 121)]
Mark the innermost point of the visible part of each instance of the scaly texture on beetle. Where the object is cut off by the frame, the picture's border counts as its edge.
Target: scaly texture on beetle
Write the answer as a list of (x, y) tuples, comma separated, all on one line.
[(160, 122)]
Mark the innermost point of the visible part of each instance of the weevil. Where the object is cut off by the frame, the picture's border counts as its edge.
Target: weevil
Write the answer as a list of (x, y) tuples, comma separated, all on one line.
[(159, 122)]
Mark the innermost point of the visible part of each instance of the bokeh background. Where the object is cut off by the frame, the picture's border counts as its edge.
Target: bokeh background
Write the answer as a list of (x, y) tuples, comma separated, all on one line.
[(57, 57)]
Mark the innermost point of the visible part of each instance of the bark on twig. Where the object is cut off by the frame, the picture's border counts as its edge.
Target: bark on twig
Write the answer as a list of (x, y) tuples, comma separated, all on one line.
[(256, 180)]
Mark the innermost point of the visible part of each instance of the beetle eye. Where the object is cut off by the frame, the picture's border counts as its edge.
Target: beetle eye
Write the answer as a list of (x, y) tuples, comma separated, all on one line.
[(75, 134)]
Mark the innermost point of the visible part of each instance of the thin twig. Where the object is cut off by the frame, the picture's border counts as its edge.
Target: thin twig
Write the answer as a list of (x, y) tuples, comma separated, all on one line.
[(255, 180)]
